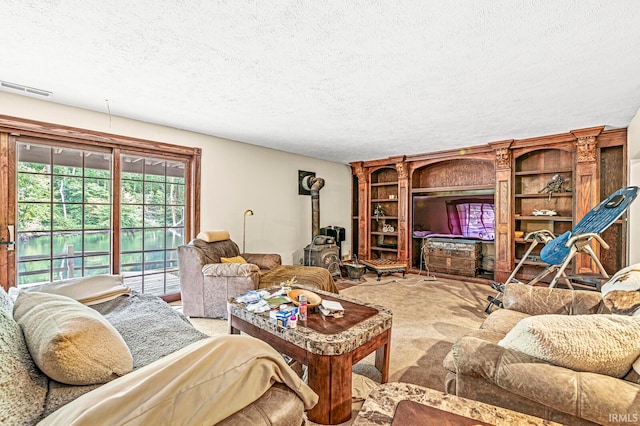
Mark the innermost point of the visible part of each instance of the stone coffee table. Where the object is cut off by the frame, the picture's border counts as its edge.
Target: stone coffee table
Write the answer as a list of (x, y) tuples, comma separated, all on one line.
[(328, 346), (399, 404)]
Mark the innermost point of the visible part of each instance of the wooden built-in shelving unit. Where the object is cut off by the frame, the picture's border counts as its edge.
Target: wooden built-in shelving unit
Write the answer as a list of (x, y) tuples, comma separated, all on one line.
[(510, 174)]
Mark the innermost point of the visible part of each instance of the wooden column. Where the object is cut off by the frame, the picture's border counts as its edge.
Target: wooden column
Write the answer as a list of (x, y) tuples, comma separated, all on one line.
[(403, 213), (503, 211), (587, 187), (363, 210)]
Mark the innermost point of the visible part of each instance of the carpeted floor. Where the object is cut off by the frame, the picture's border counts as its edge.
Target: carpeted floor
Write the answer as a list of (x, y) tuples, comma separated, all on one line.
[(428, 316)]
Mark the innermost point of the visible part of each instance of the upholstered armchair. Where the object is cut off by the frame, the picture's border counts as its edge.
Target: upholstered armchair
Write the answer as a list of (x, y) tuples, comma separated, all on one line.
[(554, 353), (207, 281)]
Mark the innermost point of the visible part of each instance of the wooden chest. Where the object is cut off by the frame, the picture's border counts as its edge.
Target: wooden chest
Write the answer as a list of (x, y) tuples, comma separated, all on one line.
[(453, 256)]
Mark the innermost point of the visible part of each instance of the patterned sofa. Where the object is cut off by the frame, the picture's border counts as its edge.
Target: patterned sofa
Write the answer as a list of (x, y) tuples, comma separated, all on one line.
[(206, 283)]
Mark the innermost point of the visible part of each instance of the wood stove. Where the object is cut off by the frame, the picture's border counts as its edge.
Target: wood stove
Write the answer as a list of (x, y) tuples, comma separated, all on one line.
[(323, 250)]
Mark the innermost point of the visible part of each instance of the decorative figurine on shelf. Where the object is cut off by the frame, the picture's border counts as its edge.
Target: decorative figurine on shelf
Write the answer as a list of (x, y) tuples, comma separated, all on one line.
[(544, 212), (378, 212), (388, 228), (554, 185)]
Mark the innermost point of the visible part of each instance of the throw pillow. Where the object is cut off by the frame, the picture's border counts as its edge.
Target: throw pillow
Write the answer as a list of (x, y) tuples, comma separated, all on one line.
[(70, 342), (89, 290), (603, 344), (235, 259), (621, 294), (213, 236)]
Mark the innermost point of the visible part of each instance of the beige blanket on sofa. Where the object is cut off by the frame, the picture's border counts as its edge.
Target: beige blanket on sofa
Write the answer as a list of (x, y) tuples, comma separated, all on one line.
[(202, 383)]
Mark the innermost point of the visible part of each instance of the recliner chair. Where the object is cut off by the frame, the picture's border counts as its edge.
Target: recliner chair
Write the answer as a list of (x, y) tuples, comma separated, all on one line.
[(206, 283)]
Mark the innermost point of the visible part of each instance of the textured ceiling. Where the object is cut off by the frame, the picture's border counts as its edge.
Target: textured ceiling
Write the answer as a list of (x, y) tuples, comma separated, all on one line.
[(338, 80)]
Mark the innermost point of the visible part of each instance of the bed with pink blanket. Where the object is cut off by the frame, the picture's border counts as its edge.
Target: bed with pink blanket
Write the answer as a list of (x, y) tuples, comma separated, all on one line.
[(471, 220)]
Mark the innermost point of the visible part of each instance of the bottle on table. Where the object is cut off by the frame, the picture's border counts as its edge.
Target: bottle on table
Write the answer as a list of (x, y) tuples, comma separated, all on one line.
[(302, 307)]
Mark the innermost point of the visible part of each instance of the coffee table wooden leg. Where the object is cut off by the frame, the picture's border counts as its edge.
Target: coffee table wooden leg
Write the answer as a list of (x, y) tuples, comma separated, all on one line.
[(330, 377), (318, 373), (382, 358), (231, 328)]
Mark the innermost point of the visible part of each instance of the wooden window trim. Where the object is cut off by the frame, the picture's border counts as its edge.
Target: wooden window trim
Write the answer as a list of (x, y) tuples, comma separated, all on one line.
[(25, 127), (12, 127)]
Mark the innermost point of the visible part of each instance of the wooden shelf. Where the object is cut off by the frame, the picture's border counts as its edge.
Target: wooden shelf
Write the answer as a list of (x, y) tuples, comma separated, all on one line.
[(383, 183), (545, 172), (546, 218), (523, 241), (457, 189), (555, 194), (533, 170), (384, 249), (531, 262)]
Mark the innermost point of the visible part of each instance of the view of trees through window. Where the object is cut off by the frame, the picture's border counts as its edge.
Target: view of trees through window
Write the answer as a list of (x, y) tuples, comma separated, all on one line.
[(65, 216), (64, 213), (152, 222)]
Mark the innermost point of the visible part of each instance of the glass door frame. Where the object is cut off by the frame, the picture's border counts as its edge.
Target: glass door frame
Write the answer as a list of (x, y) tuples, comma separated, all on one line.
[(11, 128)]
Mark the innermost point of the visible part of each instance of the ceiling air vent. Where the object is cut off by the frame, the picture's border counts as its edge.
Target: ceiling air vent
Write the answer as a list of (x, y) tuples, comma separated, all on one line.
[(25, 89)]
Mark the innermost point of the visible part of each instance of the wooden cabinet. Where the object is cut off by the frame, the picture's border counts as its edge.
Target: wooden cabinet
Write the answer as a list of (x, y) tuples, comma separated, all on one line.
[(613, 168), (513, 175), (383, 207)]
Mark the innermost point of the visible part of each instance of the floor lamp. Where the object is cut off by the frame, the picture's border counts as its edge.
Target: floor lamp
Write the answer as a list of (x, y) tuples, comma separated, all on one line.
[(247, 212)]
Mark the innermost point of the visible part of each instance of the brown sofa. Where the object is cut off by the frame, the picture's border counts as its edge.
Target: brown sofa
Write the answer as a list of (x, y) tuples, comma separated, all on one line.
[(206, 284), (180, 375), (481, 369)]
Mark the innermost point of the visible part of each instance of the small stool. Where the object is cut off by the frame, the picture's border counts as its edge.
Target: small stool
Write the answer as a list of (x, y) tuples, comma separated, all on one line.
[(385, 266)]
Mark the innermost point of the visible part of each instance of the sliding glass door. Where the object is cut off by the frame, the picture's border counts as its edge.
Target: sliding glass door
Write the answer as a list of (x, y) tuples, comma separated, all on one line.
[(152, 221), (65, 215)]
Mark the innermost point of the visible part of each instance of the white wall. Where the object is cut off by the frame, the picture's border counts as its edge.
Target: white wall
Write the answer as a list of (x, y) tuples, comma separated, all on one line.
[(235, 177), (633, 143)]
